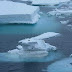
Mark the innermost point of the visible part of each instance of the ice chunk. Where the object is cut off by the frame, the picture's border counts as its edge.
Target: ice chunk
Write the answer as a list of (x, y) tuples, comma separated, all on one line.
[(13, 57), (40, 37), (60, 11), (15, 51), (25, 0), (46, 35), (35, 46), (64, 65), (64, 22), (20, 47), (48, 2), (12, 12), (71, 55)]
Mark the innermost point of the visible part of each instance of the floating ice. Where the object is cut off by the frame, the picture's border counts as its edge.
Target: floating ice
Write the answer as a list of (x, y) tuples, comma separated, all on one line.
[(35, 46), (47, 2), (44, 35), (60, 11), (64, 22), (71, 55), (64, 65), (25, 0), (14, 57), (33, 49), (14, 12), (63, 12)]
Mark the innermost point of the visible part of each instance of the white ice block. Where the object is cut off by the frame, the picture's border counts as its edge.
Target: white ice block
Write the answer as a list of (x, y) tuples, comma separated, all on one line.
[(12, 12), (35, 46)]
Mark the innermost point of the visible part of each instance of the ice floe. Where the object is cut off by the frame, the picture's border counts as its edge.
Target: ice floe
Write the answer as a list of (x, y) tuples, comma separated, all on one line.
[(64, 22), (33, 49), (35, 46), (47, 2), (26, 0), (64, 65), (13, 12), (60, 11), (71, 55), (63, 13)]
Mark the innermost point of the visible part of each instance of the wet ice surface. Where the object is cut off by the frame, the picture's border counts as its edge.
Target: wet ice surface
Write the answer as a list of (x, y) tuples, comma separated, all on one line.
[(15, 63), (61, 66), (7, 57)]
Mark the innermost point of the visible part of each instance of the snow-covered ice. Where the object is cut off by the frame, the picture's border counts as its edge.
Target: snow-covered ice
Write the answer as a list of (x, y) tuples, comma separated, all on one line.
[(14, 57), (60, 11), (12, 12), (64, 65), (48, 2), (25, 0), (33, 50), (63, 13), (35, 46), (44, 35), (64, 22)]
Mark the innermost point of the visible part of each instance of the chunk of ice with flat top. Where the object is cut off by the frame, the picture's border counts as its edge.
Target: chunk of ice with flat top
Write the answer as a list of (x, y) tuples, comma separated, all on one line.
[(13, 12)]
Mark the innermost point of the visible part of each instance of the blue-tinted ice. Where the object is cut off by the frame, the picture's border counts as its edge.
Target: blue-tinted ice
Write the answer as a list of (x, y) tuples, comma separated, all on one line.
[(64, 65), (6, 57)]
